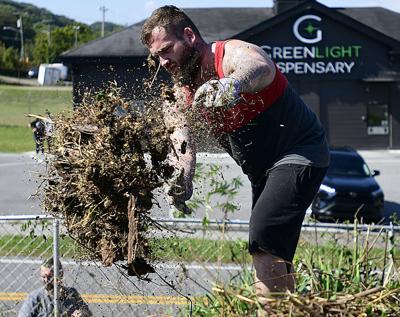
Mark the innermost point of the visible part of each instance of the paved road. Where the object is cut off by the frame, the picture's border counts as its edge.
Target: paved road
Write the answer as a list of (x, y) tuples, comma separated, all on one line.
[(18, 81), (388, 163), (18, 182), (109, 291)]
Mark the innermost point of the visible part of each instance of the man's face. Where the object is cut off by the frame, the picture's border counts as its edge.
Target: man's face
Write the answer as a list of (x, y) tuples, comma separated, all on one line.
[(47, 275), (178, 56)]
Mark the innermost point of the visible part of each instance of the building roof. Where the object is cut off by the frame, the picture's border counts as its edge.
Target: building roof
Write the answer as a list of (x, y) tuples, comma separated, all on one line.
[(214, 24), (380, 19), (222, 23)]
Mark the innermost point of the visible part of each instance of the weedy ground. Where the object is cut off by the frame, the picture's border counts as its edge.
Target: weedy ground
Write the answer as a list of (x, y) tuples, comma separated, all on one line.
[(332, 280)]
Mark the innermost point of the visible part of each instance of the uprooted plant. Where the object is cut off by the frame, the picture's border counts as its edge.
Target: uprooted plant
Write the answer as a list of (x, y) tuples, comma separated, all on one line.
[(108, 157)]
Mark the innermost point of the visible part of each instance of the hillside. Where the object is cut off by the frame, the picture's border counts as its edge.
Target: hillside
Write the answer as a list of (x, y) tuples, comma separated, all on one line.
[(108, 27), (34, 20)]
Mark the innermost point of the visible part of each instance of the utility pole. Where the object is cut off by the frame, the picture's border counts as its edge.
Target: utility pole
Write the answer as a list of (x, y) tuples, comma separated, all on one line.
[(21, 31), (103, 9), (76, 29)]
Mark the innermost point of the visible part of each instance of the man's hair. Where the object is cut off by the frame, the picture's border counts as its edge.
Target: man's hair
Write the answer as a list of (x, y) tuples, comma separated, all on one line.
[(49, 263), (171, 18)]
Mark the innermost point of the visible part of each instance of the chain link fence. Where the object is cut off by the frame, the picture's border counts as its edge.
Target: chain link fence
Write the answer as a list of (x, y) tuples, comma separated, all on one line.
[(182, 270), (188, 259)]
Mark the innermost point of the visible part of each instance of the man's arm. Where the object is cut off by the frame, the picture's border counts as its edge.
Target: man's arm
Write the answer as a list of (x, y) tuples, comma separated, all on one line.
[(29, 306), (184, 154), (247, 69), (249, 64)]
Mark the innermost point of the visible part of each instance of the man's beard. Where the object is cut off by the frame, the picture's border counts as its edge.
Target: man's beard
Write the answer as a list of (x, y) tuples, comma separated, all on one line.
[(49, 287), (189, 67)]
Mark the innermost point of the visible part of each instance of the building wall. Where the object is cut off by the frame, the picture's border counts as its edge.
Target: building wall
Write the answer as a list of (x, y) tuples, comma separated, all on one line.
[(395, 114), (91, 77), (341, 76)]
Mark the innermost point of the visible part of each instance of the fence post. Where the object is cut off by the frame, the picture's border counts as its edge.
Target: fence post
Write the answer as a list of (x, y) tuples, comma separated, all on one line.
[(391, 243), (56, 227), (29, 104)]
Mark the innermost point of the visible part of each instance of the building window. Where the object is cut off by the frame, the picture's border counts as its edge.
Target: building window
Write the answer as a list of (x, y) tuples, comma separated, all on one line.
[(377, 119)]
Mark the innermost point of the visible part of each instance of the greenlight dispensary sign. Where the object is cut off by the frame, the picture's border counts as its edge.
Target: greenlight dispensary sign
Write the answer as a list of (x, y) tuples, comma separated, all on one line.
[(312, 58)]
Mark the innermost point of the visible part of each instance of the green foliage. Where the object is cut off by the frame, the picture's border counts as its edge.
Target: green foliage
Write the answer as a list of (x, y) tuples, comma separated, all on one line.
[(9, 57), (40, 25), (32, 16), (49, 46), (329, 272), (324, 273), (394, 218), (33, 226), (220, 197), (108, 28)]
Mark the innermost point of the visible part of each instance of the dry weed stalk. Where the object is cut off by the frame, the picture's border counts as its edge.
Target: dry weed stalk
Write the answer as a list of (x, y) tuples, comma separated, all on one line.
[(377, 301)]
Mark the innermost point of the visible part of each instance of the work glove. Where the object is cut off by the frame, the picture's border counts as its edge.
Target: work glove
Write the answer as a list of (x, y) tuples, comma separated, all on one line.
[(218, 93)]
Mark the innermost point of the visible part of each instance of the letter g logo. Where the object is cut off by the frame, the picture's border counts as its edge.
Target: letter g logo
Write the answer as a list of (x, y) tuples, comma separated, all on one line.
[(309, 29)]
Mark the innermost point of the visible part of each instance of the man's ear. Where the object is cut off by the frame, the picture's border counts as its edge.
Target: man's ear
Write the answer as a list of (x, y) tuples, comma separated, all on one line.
[(189, 35)]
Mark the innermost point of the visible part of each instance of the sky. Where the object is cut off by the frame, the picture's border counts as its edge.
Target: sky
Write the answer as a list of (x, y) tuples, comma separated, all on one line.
[(128, 12)]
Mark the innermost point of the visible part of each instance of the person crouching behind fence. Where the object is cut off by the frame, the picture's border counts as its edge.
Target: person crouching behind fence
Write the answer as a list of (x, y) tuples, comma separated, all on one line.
[(40, 302), (38, 129)]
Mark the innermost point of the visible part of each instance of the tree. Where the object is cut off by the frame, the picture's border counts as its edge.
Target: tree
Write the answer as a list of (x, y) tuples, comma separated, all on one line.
[(9, 57), (49, 46)]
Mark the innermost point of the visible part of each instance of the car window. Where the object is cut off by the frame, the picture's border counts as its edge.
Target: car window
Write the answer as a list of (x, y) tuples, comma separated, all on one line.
[(346, 165)]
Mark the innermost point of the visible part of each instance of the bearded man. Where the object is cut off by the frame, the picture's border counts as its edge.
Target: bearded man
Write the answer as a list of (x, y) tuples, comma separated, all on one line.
[(258, 119), (40, 303)]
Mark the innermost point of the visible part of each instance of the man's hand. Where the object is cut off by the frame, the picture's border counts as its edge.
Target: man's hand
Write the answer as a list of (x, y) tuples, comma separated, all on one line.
[(178, 191), (223, 92), (77, 313), (178, 186)]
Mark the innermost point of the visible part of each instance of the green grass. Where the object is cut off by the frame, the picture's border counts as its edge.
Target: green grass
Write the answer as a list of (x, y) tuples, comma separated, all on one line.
[(16, 139), (18, 245), (16, 102), (195, 250), (170, 249), (200, 250)]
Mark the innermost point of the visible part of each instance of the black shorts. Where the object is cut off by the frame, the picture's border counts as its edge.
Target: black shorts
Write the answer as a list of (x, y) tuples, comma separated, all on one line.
[(280, 201)]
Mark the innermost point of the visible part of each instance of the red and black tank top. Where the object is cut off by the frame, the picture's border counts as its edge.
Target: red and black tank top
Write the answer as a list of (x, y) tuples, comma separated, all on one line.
[(267, 127), (253, 104)]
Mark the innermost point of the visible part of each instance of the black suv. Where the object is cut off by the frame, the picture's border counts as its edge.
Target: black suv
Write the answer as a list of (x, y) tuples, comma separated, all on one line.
[(349, 188)]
